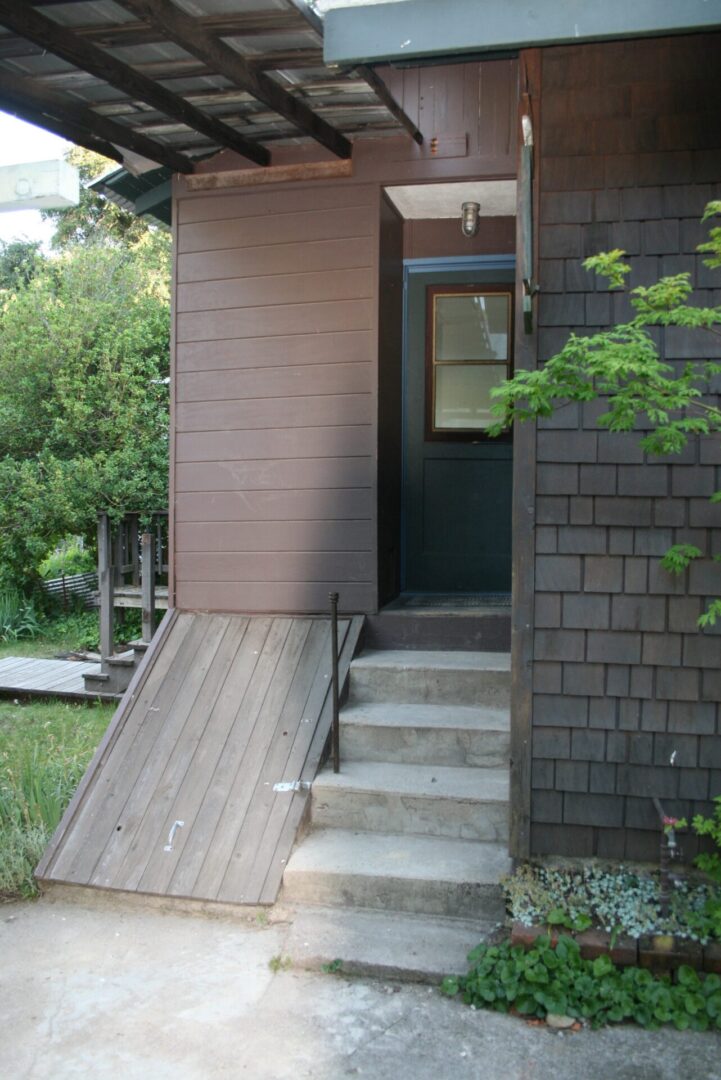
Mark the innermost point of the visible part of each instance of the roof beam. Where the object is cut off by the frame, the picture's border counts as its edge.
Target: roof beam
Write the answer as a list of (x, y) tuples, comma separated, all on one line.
[(185, 31), (54, 111), (375, 82), (21, 19)]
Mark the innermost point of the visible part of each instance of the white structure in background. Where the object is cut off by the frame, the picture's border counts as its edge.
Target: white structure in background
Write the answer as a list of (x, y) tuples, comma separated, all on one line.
[(39, 185)]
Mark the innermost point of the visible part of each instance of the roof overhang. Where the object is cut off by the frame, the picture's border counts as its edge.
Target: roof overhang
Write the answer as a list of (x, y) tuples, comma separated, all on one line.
[(147, 194), (153, 83), (426, 29)]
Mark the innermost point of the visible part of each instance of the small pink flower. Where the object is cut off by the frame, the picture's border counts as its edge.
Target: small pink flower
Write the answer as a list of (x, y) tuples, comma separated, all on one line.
[(669, 822)]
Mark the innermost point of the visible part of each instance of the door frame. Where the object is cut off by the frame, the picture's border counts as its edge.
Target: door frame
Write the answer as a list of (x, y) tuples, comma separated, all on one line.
[(438, 265)]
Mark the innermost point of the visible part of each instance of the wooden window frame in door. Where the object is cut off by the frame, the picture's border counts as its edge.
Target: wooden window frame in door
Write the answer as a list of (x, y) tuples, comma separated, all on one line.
[(472, 435)]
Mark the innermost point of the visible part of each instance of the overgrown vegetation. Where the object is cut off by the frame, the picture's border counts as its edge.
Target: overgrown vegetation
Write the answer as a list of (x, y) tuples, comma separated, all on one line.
[(84, 347), (622, 366), (68, 557), (546, 980), (18, 617), (44, 751)]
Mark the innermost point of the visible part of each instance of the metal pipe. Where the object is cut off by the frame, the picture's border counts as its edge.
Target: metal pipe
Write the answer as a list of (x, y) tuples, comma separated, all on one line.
[(335, 731)]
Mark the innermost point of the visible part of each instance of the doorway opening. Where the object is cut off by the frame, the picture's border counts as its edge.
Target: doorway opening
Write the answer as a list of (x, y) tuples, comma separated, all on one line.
[(454, 543)]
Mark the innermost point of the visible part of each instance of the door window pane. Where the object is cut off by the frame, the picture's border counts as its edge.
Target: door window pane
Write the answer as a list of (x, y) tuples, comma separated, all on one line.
[(471, 327), (463, 395), (469, 351)]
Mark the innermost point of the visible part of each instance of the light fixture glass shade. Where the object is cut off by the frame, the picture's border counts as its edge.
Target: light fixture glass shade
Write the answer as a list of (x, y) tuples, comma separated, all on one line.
[(469, 218)]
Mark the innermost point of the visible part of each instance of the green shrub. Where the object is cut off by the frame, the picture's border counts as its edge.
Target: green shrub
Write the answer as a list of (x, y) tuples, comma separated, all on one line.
[(67, 558), (545, 980)]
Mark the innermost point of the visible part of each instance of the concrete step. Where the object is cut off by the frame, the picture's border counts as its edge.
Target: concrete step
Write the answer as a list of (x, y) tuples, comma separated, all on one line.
[(384, 945), (465, 803), (121, 660), (426, 734), (419, 874), (430, 677), (486, 629)]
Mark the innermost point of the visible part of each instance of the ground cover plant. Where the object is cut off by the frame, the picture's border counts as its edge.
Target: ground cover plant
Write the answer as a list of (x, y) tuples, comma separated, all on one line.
[(615, 900), (545, 980), (45, 748)]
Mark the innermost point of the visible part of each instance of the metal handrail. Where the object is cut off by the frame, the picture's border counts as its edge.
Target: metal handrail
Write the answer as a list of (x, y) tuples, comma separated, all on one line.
[(335, 731)]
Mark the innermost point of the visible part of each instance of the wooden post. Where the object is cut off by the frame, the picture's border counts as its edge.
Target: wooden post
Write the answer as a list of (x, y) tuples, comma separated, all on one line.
[(134, 553), (147, 579), (106, 586)]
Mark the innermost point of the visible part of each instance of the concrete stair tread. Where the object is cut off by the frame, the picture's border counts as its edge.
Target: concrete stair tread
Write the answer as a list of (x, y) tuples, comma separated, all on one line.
[(466, 783), (437, 660), (123, 659), (428, 858), (390, 945), (424, 716)]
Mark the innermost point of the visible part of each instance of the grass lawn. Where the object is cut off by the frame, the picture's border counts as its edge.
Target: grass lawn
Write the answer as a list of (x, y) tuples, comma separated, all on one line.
[(45, 747)]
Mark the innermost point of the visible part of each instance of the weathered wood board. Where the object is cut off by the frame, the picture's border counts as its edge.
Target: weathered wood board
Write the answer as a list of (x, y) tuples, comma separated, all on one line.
[(28, 676), (224, 708)]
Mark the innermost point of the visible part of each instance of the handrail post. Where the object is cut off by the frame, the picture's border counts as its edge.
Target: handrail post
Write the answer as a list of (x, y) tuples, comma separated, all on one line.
[(335, 735), (105, 586), (147, 584)]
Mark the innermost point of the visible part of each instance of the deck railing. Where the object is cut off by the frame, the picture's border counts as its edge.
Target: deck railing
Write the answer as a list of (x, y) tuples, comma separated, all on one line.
[(131, 567)]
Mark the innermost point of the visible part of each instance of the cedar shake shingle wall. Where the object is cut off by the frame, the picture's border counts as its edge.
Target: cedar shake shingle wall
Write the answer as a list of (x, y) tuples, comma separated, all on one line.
[(276, 340), (630, 155)]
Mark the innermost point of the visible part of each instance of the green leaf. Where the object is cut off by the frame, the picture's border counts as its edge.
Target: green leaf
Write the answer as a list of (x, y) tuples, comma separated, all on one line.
[(602, 965), (556, 917)]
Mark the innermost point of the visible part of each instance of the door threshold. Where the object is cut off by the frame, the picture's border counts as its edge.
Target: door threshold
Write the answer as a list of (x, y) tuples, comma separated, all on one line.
[(448, 603)]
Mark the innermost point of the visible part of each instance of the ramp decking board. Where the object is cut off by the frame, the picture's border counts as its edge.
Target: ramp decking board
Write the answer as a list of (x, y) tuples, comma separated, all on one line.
[(229, 706)]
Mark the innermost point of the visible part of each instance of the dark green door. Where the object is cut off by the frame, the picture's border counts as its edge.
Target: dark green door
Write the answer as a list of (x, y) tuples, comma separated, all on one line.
[(457, 480)]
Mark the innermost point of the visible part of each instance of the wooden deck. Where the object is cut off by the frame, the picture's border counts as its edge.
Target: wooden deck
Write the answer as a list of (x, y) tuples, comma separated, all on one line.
[(28, 677), (222, 709)]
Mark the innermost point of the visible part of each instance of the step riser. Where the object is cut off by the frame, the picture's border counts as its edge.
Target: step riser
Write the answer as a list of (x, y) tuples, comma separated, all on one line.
[(419, 897), (424, 746), (489, 632), (420, 815), (431, 687)]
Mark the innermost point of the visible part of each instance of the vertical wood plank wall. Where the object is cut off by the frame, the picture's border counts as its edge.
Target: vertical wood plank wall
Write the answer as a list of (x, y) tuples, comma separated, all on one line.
[(275, 427)]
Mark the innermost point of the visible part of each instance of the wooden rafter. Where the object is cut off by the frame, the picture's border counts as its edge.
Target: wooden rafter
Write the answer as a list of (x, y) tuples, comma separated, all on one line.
[(72, 121), (21, 19), (185, 31), (368, 74)]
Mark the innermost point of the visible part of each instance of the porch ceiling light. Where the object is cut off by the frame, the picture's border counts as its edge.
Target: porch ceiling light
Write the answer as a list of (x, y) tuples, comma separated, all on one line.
[(469, 218)]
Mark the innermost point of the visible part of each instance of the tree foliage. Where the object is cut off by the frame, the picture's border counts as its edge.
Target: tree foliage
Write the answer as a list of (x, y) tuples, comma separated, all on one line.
[(669, 403), (84, 345), (95, 219), (19, 260)]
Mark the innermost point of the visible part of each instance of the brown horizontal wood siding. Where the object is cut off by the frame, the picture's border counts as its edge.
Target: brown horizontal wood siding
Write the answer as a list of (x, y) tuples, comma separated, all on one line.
[(275, 399), (277, 356)]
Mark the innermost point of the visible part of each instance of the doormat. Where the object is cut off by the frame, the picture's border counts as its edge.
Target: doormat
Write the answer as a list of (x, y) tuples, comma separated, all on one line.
[(450, 601)]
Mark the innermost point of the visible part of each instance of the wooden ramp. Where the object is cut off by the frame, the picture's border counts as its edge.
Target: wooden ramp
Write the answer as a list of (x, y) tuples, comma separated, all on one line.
[(29, 677), (222, 709)]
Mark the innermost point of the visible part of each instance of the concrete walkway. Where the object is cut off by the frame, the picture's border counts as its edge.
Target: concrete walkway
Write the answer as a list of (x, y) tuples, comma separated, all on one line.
[(91, 987)]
